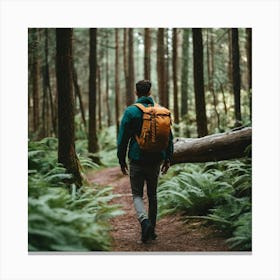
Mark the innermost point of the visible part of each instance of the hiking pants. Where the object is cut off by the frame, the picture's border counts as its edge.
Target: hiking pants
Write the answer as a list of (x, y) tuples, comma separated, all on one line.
[(139, 174)]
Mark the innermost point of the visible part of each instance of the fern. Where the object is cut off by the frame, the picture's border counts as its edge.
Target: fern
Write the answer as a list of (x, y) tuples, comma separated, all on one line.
[(219, 192), (61, 217)]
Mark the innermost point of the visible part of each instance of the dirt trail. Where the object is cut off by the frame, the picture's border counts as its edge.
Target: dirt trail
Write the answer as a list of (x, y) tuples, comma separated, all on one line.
[(173, 234)]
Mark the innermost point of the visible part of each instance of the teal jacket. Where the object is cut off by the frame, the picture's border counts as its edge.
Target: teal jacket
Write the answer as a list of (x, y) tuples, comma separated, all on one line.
[(130, 125)]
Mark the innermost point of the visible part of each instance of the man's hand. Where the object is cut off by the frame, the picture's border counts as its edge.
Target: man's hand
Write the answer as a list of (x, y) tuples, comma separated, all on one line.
[(124, 169), (165, 166)]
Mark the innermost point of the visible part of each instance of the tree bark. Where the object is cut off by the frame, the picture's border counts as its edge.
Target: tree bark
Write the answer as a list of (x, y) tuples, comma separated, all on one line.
[(236, 75), (107, 98), (131, 86), (229, 69), (79, 95), (160, 66), (249, 65), (147, 54), (117, 82), (66, 132), (166, 71), (99, 98), (125, 66), (185, 74), (228, 145), (35, 80), (210, 72), (92, 133), (174, 71), (48, 84), (201, 119)]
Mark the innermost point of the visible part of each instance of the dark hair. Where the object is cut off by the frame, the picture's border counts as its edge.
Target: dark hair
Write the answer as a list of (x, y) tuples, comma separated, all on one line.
[(143, 87)]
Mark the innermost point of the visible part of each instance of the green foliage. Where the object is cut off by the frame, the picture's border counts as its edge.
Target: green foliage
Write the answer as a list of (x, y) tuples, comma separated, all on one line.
[(60, 217), (219, 192), (107, 143)]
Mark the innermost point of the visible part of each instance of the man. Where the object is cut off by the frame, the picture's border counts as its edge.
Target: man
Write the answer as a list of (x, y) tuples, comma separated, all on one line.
[(143, 166)]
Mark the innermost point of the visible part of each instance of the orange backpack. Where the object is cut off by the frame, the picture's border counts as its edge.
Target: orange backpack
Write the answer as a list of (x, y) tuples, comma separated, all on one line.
[(156, 128)]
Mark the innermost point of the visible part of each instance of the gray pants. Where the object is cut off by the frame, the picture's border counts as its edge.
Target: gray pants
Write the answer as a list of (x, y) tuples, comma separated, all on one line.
[(139, 174)]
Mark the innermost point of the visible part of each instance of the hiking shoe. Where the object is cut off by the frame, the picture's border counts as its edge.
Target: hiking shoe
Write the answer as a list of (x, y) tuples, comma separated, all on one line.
[(146, 230), (153, 235)]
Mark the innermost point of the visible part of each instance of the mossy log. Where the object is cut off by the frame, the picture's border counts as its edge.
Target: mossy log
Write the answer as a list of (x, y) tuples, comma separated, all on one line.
[(215, 147)]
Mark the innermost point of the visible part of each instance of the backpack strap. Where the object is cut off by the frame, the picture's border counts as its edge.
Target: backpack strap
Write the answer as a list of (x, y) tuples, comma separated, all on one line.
[(141, 107), (144, 110)]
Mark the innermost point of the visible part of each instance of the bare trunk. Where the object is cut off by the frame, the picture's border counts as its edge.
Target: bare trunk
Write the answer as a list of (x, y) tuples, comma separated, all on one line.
[(210, 71), (117, 85), (199, 83), (185, 74), (249, 65), (230, 82), (228, 145), (147, 54), (236, 76), (35, 80), (131, 88), (99, 98), (174, 71), (92, 133), (166, 71), (160, 65), (125, 65), (48, 84), (107, 98), (66, 132), (79, 95)]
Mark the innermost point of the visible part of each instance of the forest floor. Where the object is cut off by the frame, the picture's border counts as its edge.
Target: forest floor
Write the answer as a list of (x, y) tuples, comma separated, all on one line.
[(174, 235)]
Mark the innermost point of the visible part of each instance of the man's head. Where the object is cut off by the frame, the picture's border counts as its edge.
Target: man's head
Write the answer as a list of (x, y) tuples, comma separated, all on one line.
[(143, 88)]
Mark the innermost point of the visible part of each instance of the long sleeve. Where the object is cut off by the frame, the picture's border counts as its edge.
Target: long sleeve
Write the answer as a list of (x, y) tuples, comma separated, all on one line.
[(170, 148), (124, 137)]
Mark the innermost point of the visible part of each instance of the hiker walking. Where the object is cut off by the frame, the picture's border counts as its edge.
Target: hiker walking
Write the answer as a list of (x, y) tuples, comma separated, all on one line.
[(146, 128)]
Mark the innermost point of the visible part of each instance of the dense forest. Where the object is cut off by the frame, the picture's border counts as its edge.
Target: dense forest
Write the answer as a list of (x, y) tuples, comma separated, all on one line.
[(79, 83)]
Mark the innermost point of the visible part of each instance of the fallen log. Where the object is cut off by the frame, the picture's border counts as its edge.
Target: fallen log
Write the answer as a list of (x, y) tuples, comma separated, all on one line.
[(215, 147)]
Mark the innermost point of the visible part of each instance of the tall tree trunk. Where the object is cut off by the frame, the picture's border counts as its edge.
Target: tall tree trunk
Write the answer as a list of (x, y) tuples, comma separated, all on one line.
[(125, 66), (185, 73), (44, 128), (160, 66), (229, 72), (166, 71), (79, 95), (147, 54), (131, 88), (199, 82), (92, 134), (236, 76), (35, 80), (210, 71), (117, 82), (174, 71), (249, 65), (48, 84), (224, 98), (107, 98), (99, 98), (66, 132)]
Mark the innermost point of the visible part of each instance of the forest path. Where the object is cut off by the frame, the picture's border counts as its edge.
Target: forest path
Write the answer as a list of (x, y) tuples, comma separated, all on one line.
[(173, 234)]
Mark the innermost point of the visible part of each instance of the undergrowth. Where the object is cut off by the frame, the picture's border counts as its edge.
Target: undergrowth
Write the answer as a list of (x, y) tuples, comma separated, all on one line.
[(218, 192), (60, 216)]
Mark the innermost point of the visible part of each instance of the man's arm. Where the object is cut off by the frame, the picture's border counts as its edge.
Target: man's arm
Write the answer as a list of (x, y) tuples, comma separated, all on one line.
[(123, 139), (168, 154)]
